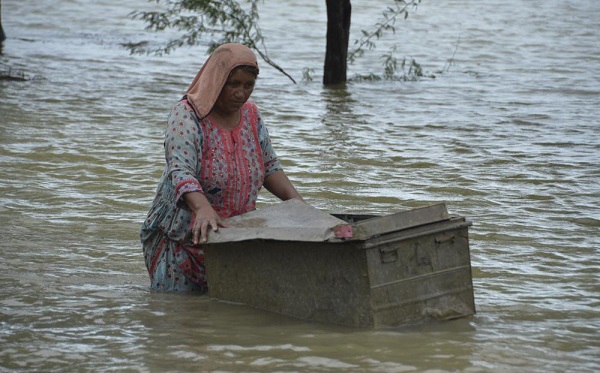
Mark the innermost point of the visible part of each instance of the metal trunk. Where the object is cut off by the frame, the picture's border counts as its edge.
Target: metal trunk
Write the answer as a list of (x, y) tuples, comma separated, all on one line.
[(356, 270)]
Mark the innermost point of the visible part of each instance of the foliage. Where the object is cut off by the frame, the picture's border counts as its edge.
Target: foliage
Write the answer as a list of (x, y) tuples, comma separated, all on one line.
[(405, 71), (450, 61), (387, 24), (215, 22), (307, 74)]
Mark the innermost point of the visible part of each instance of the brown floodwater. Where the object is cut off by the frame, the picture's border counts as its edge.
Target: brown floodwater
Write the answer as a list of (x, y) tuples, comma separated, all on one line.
[(507, 135)]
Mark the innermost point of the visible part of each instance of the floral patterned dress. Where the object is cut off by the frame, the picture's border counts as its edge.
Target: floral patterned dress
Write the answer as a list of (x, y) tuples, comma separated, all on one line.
[(227, 166)]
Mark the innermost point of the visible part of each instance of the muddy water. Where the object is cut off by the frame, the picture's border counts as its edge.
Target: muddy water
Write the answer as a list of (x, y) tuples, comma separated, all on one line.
[(506, 134)]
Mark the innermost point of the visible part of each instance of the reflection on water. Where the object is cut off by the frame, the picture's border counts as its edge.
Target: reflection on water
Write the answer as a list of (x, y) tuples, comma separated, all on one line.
[(507, 137)]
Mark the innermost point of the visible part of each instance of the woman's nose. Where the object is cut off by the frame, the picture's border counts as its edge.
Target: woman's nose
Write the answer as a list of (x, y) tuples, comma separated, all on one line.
[(239, 93)]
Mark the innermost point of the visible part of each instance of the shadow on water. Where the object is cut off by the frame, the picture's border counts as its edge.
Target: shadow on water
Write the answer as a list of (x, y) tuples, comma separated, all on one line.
[(338, 108)]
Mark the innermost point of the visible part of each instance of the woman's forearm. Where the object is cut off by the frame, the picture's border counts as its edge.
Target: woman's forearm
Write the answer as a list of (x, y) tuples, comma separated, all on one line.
[(196, 201), (279, 184)]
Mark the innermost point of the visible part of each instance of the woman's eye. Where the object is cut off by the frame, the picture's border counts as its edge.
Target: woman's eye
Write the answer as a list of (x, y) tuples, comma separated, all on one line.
[(235, 85)]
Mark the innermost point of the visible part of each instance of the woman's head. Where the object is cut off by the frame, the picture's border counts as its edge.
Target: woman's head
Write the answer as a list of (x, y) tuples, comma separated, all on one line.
[(223, 63), (247, 68), (237, 89)]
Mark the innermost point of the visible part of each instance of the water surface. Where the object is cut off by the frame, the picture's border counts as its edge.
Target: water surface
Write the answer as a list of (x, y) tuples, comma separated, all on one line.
[(506, 135)]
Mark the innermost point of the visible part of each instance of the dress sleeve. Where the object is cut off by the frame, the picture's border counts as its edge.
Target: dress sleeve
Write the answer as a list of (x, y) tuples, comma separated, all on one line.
[(269, 157), (183, 145)]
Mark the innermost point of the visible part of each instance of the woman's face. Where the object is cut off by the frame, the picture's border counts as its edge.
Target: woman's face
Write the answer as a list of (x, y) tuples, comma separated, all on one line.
[(235, 93)]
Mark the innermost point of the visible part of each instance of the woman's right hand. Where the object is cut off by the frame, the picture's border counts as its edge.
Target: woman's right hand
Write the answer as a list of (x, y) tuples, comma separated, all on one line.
[(205, 218)]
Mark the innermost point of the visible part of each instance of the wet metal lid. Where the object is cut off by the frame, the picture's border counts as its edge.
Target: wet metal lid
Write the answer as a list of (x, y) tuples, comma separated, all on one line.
[(295, 220)]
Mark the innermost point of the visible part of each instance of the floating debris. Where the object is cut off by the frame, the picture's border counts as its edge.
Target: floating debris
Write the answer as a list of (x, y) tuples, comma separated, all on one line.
[(132, 45), (16, 75)]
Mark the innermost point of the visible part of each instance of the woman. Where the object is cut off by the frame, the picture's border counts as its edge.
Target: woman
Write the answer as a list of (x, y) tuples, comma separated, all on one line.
[(218, 156)]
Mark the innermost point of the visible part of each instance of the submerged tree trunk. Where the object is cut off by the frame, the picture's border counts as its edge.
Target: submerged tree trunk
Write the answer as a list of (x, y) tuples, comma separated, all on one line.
[(2, 35), (338, 35)]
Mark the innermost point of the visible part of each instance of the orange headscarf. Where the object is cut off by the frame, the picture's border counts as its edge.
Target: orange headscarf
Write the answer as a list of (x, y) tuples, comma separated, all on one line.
[(210, 80)]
